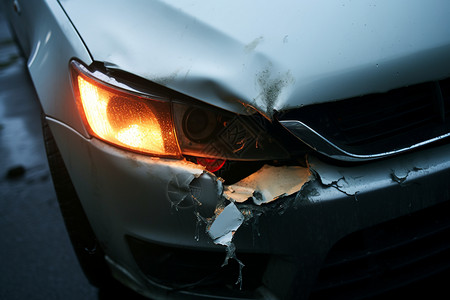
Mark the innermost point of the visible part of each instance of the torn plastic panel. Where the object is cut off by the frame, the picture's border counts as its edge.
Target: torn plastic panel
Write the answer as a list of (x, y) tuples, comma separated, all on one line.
[(355, 180), (228, 217), (260, 188), (182, 190), (225, 225), (222, 230)]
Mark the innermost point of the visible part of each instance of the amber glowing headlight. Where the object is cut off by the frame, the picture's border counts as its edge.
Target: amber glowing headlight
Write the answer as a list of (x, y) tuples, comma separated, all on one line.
[(124, 118), (144, 117)]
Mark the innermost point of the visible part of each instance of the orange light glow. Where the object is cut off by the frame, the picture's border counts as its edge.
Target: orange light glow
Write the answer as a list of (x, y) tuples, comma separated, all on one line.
[(142, 137), (94, 106), (127, 120)]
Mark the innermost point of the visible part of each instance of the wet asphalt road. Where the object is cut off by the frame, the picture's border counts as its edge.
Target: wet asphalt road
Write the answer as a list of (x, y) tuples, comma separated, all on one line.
[(36, 257)]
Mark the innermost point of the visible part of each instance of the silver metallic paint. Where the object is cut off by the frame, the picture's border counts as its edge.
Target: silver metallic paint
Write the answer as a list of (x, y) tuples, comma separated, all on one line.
[(223, 61), (50, 41), (273, 55)]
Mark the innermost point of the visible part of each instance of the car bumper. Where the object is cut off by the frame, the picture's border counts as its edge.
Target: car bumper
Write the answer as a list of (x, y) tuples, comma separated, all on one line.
[(133, 202)]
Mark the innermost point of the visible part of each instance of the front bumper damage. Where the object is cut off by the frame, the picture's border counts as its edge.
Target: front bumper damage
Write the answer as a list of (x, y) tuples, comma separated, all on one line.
[(178, 204)]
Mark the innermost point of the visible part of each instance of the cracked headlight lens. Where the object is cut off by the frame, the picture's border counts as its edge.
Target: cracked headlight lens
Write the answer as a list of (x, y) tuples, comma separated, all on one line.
[(123, 118)]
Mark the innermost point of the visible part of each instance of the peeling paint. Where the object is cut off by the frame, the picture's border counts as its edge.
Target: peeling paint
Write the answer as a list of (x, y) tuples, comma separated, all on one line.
[(353, 180), (400, 175), (332, 177), (398, 178), (342, 184), (270, 87), (260, 188), (225, 225)]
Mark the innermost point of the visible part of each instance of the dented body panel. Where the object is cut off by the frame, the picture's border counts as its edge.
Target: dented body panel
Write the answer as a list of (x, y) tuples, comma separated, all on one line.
[(300, 53), (134, 195)]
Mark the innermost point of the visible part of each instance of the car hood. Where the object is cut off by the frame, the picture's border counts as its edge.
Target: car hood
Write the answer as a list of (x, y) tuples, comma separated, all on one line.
[(273, 56)]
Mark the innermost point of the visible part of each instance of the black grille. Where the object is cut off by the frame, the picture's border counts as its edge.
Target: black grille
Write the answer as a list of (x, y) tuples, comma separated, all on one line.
[(385, 259), (384, 122)]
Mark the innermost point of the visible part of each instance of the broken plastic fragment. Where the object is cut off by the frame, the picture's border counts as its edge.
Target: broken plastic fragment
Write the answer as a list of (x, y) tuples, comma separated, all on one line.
[(225, 224), (222, 230), (225, 239), (260, 186)]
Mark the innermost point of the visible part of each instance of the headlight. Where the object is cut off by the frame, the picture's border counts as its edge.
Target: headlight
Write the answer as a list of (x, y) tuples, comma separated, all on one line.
[(130, 120), (166, 123)]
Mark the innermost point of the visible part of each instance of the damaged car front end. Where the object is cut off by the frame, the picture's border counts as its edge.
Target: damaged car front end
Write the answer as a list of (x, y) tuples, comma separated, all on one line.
[(209, 157)]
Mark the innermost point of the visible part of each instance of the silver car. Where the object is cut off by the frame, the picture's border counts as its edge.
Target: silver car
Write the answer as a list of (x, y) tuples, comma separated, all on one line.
[(234, 150)]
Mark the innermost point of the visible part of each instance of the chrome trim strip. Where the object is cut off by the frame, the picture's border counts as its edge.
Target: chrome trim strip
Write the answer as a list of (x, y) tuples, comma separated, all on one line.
[(319, 143)]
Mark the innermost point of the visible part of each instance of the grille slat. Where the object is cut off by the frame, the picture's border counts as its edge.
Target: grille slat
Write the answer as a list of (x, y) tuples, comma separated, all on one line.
[(381, 123), (388, 256), (391, 264), (374, 108), (358, 122), (362, 138), (350, 257)]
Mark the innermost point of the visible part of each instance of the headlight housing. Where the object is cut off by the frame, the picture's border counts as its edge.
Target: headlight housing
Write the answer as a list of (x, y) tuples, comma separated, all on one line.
[(169, 125)]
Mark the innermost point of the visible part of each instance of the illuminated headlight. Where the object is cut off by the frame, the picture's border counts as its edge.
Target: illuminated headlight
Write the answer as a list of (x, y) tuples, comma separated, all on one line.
[(169, 124), (124, 118)]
